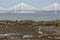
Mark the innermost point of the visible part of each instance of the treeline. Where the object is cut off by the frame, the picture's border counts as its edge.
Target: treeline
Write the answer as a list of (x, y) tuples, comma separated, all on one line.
[(30, 22)]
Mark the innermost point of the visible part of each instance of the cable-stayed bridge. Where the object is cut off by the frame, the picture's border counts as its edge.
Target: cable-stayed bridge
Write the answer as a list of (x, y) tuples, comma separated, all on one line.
[(25, 8)]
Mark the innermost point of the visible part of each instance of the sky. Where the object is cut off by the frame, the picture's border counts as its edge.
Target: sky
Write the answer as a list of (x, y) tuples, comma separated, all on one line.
[(35, 3)]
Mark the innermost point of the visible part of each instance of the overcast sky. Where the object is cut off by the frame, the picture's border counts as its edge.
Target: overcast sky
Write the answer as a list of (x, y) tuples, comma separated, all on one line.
[(35, 3)]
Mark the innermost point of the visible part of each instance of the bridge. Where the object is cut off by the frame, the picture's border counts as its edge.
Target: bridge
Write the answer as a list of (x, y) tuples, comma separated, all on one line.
[(52, 7), (22, 7)]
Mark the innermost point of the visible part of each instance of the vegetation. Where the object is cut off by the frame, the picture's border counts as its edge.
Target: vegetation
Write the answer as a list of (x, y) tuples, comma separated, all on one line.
[(31, 22)]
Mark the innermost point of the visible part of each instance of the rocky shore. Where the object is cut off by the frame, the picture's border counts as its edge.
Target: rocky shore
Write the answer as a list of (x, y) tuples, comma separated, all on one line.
[(29, 30)]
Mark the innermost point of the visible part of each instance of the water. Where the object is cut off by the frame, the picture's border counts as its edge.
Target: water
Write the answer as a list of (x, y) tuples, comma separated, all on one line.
[(30, 16)]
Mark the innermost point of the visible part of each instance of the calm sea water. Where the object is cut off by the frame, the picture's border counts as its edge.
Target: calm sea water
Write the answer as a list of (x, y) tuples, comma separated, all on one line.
[(30, 16)]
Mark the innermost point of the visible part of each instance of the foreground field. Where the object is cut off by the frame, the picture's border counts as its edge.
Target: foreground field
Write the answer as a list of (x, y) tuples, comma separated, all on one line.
[(29, 30)]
